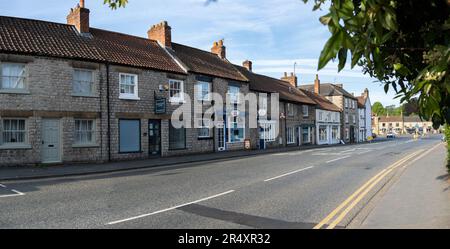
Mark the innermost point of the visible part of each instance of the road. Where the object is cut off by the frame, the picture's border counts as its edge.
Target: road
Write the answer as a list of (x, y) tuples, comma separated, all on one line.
[(296, 189)]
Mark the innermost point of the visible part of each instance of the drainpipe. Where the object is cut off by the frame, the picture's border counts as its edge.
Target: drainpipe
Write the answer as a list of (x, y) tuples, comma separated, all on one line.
[(108, 112), (285, 124)]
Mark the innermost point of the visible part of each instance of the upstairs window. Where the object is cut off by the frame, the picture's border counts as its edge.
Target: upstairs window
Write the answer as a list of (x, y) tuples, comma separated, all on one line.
[(233, 94), (305, 110), (176, 91), (290, 110), (13, 76), (203, 91), (128, 86), (83, 82)]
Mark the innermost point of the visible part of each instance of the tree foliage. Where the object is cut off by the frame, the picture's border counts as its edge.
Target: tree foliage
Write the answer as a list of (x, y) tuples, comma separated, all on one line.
[(114, 4), (404, 44)]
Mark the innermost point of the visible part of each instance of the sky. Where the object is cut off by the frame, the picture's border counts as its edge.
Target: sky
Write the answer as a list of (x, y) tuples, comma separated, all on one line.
[(273, 34)]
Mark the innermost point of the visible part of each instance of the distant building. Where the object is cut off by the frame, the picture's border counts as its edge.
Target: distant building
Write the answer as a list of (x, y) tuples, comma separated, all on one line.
[(401, 125), (365, 114)]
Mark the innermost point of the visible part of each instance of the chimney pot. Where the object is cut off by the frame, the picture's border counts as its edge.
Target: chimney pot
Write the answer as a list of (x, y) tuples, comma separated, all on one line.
[(219, 49), (292, 79), (248, 64), (82, 3), (162, 33)]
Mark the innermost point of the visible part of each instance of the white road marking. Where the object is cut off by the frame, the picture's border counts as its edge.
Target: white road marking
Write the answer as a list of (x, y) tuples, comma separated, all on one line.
[(17, 193), (337, 159), (290, 173), (171, 208)]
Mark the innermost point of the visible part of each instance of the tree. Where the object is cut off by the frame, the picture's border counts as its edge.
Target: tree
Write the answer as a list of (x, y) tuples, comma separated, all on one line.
[(412, 107), (378, 109), (404, 44), (114, 4)]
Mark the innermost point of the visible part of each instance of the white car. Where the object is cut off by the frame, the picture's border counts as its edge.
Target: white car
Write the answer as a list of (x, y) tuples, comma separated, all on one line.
[(390, 135)]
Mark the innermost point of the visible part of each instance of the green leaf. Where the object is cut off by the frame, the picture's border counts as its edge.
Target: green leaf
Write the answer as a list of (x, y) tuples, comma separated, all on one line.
[(331, 49), (386, 88), (325, 20), (342, 55)]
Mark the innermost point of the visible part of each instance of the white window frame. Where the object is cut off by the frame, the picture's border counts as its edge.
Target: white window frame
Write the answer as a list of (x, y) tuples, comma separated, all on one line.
[(325, 134), (203, 126), (200, 91), (129, 96), (93, 131), (305, 110), (320, 115), (335, 128), (16, 144), (269, 131), (180, 97), (92, 82), (229, 94), (24, 78), (354, 118), (346, 102), (290, 110), (309, 135), (346, 118), (290, 135)]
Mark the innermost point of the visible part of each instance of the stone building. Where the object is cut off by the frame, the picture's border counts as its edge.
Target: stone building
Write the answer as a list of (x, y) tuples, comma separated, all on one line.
[(295, 125), (344, 101)]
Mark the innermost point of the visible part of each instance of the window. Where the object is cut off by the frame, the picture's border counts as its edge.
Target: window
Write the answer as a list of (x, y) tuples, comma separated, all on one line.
[(290, 134), (83, 82), (305, 111), (397, 124), (323, 137), (84, 132), (176, 91), (267, 130), (13, 132), (354, 118), (346, 103), (346, 118), (335, 132), (336, 117), (320, 116), (347, 134), (128, 86), (290, 110), (204, 130), (177, 138), (203, 91), (13, 76), (129, 136), (305, 135), (233, 93), (236, 131)]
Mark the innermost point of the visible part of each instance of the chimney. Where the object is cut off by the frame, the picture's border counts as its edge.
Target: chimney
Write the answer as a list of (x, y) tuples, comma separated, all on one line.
[(162, 33), (219, 49), (366, 93), (292, 79), (317, 85), (248, 64), (79, 17)]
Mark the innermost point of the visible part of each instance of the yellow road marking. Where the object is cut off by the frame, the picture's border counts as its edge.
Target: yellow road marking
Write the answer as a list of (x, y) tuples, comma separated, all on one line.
[(340, 207)]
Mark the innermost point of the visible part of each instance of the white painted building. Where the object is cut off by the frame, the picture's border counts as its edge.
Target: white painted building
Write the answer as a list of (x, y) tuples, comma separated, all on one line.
[(365, 116), (328, 126)]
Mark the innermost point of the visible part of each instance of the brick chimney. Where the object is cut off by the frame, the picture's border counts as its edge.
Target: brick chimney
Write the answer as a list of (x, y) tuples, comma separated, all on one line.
[(292, 79), (317, 85), (219, 49), (366, 93), (79, 17), (248, 64), (162, 33)]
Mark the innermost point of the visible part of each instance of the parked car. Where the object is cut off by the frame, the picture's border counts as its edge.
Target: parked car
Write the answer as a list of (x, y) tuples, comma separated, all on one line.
[(390, 135)]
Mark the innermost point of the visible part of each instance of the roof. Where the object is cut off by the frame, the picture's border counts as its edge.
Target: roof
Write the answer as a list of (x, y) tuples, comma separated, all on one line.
[(322, 102), (262, 83), (386, 119), (407, 119), (328, 89), (204, 62), (361, 101)]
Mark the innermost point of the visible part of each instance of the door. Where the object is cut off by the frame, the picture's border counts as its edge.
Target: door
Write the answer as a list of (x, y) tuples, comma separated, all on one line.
[(221, 136), (154, 136), (352, 134), (51, 141)]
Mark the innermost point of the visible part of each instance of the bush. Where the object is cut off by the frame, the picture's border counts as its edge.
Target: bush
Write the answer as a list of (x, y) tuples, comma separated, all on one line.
[(447, 138)]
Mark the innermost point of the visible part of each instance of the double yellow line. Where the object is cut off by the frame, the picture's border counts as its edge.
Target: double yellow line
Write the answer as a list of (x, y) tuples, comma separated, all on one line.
[(337, 215)]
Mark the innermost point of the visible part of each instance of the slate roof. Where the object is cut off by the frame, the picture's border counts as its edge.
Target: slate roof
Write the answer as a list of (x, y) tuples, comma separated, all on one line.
[(322, 102), (328, 89), (262, 83)]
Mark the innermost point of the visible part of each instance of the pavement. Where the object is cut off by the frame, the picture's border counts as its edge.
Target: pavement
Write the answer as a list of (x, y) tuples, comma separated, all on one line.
[(420, 198), (286, 189)]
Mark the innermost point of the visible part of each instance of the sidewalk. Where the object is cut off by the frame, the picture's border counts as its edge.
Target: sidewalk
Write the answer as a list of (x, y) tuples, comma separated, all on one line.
[(29, 173), (419, 199)]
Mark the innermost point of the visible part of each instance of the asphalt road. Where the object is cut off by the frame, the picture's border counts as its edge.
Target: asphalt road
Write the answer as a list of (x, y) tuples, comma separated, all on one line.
[(285, 190)]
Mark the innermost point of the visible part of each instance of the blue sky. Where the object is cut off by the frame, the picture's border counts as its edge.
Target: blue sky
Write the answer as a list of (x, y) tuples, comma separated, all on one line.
[(274, 34)]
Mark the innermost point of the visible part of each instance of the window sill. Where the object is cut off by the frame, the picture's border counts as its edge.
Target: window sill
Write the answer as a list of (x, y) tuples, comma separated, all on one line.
[(129, 98), (85, 146), (180, 149), (204, 138), (12, 91), (15, 147), (85, 96), (176, 102)]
